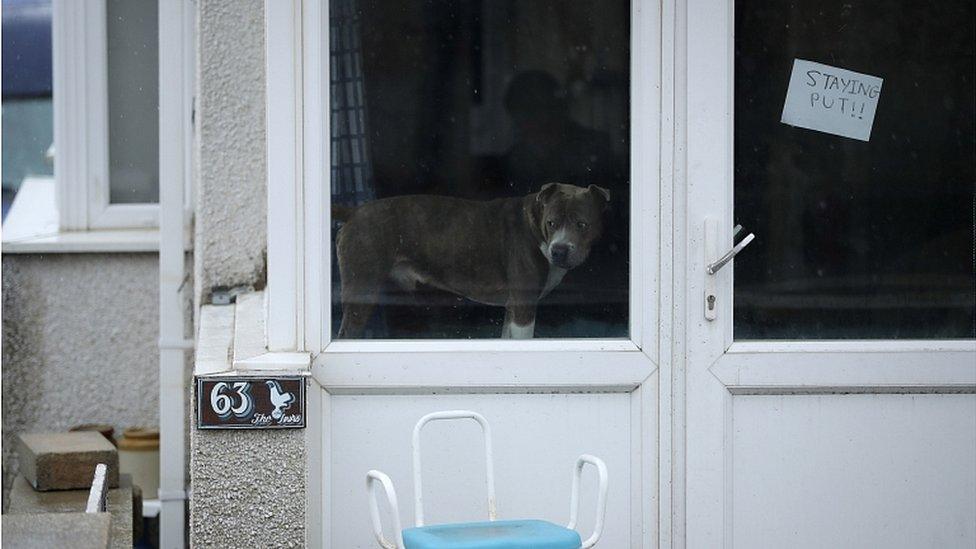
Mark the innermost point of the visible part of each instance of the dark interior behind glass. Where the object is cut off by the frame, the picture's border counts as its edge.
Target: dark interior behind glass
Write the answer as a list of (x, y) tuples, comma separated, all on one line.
[(484, 99), (857, 239)]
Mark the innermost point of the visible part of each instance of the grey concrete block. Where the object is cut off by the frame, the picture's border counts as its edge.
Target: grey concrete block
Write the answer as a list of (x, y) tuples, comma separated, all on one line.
[(46, 530), (25, 500), (66, 461)]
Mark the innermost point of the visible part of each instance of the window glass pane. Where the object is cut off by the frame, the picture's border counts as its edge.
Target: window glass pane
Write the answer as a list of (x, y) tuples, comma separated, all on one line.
[(857, 236), (448, 121), (133, 100)]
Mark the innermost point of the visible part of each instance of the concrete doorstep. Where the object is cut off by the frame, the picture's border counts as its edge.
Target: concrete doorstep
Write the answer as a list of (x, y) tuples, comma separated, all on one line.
[(120, 504)]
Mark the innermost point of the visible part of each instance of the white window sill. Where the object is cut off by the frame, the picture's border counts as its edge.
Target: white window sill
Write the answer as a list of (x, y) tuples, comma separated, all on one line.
[(32, 227), (232, 342), (86, 242)]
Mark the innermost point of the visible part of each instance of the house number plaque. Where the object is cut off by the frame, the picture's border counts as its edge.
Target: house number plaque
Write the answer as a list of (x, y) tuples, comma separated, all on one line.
[(251, 403)]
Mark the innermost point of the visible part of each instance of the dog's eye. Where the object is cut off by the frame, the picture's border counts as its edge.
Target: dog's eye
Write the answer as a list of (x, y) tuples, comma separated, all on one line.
[(551, 223), (582, 225)]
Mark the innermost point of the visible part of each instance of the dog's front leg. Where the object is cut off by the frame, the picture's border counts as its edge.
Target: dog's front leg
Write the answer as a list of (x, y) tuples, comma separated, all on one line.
[(519, 320)]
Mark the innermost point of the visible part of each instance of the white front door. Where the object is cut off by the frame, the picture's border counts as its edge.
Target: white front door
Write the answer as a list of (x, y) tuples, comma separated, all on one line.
[(830, 388), (479, 101), (826, 396)]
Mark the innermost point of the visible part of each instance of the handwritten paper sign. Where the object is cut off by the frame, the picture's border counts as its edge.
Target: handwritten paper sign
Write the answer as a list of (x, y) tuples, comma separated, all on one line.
[(831, 100)]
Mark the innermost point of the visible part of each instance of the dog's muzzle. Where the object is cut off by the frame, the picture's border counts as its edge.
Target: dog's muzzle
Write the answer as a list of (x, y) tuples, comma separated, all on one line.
[(560, 255), (565, 256)]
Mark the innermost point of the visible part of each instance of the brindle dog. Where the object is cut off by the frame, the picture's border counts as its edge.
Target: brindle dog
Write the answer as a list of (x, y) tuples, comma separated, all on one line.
[(509, 252)]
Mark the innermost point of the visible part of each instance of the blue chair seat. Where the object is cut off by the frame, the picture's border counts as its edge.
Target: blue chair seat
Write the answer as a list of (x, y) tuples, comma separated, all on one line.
[(502, 534)]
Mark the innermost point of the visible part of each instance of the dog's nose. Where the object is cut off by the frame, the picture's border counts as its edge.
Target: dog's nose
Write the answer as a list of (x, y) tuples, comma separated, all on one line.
[(560, 253)]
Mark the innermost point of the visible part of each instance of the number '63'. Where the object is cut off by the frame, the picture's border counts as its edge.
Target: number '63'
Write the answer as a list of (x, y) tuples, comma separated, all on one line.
[(223, 404)]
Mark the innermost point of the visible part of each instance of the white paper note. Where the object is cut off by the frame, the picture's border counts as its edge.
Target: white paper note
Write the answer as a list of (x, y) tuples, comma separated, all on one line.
[(831, 100)]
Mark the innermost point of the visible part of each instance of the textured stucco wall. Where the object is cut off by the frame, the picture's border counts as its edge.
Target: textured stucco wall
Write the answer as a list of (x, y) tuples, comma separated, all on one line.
[(230, 239), (79, 343), (248, 487)]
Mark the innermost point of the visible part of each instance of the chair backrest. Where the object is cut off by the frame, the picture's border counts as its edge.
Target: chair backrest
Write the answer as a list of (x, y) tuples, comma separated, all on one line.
[(490, 470)]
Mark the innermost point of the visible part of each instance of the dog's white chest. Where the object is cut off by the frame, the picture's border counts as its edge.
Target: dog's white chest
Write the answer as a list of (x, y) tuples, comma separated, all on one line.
[(556, 275)]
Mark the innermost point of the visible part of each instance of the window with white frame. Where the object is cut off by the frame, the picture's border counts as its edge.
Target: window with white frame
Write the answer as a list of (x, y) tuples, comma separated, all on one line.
[(480, 169), (342, 99), (106, 119)]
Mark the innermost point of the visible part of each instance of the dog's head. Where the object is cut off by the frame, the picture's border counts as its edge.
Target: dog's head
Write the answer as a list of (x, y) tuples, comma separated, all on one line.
[(571, 220)]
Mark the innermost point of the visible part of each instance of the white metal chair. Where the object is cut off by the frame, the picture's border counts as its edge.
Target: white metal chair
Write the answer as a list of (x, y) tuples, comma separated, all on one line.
[(493, 534)]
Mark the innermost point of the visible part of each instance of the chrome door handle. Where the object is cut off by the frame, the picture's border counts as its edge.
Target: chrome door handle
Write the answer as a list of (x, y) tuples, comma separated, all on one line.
[(716, 266), (711, 304)]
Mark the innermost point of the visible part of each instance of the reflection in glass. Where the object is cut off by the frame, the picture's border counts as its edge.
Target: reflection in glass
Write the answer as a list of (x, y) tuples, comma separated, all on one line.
[(477, 101), (857, 239), (133, 100)]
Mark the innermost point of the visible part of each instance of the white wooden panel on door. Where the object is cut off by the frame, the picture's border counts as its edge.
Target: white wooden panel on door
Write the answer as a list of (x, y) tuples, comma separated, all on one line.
[(534, 457), (854, 471)]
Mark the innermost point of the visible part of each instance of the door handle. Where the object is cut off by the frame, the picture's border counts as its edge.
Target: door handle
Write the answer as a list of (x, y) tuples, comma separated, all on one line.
[(715, 265)]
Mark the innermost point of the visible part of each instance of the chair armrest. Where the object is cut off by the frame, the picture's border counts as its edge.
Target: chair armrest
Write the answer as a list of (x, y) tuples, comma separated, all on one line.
[(374, 511), (601, 502)]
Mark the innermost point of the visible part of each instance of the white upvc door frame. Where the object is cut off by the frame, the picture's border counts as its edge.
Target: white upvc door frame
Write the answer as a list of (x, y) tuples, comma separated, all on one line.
[(716, 368), (299, 285), (298, 316)]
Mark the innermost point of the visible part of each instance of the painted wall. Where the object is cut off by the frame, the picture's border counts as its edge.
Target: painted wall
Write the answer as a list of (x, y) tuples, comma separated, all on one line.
[(230, 238), (247, 487), (79, 343)]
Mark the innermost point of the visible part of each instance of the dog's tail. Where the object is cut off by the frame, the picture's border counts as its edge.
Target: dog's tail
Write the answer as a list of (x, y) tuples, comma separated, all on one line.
[(342, 214)]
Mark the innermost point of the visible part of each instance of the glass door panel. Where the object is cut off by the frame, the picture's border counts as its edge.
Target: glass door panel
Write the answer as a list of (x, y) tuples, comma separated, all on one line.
[(438, 109), (856, 239)]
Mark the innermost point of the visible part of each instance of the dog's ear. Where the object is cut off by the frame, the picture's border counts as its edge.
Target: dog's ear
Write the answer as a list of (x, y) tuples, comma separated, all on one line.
[(545, 192), (600, 193)]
